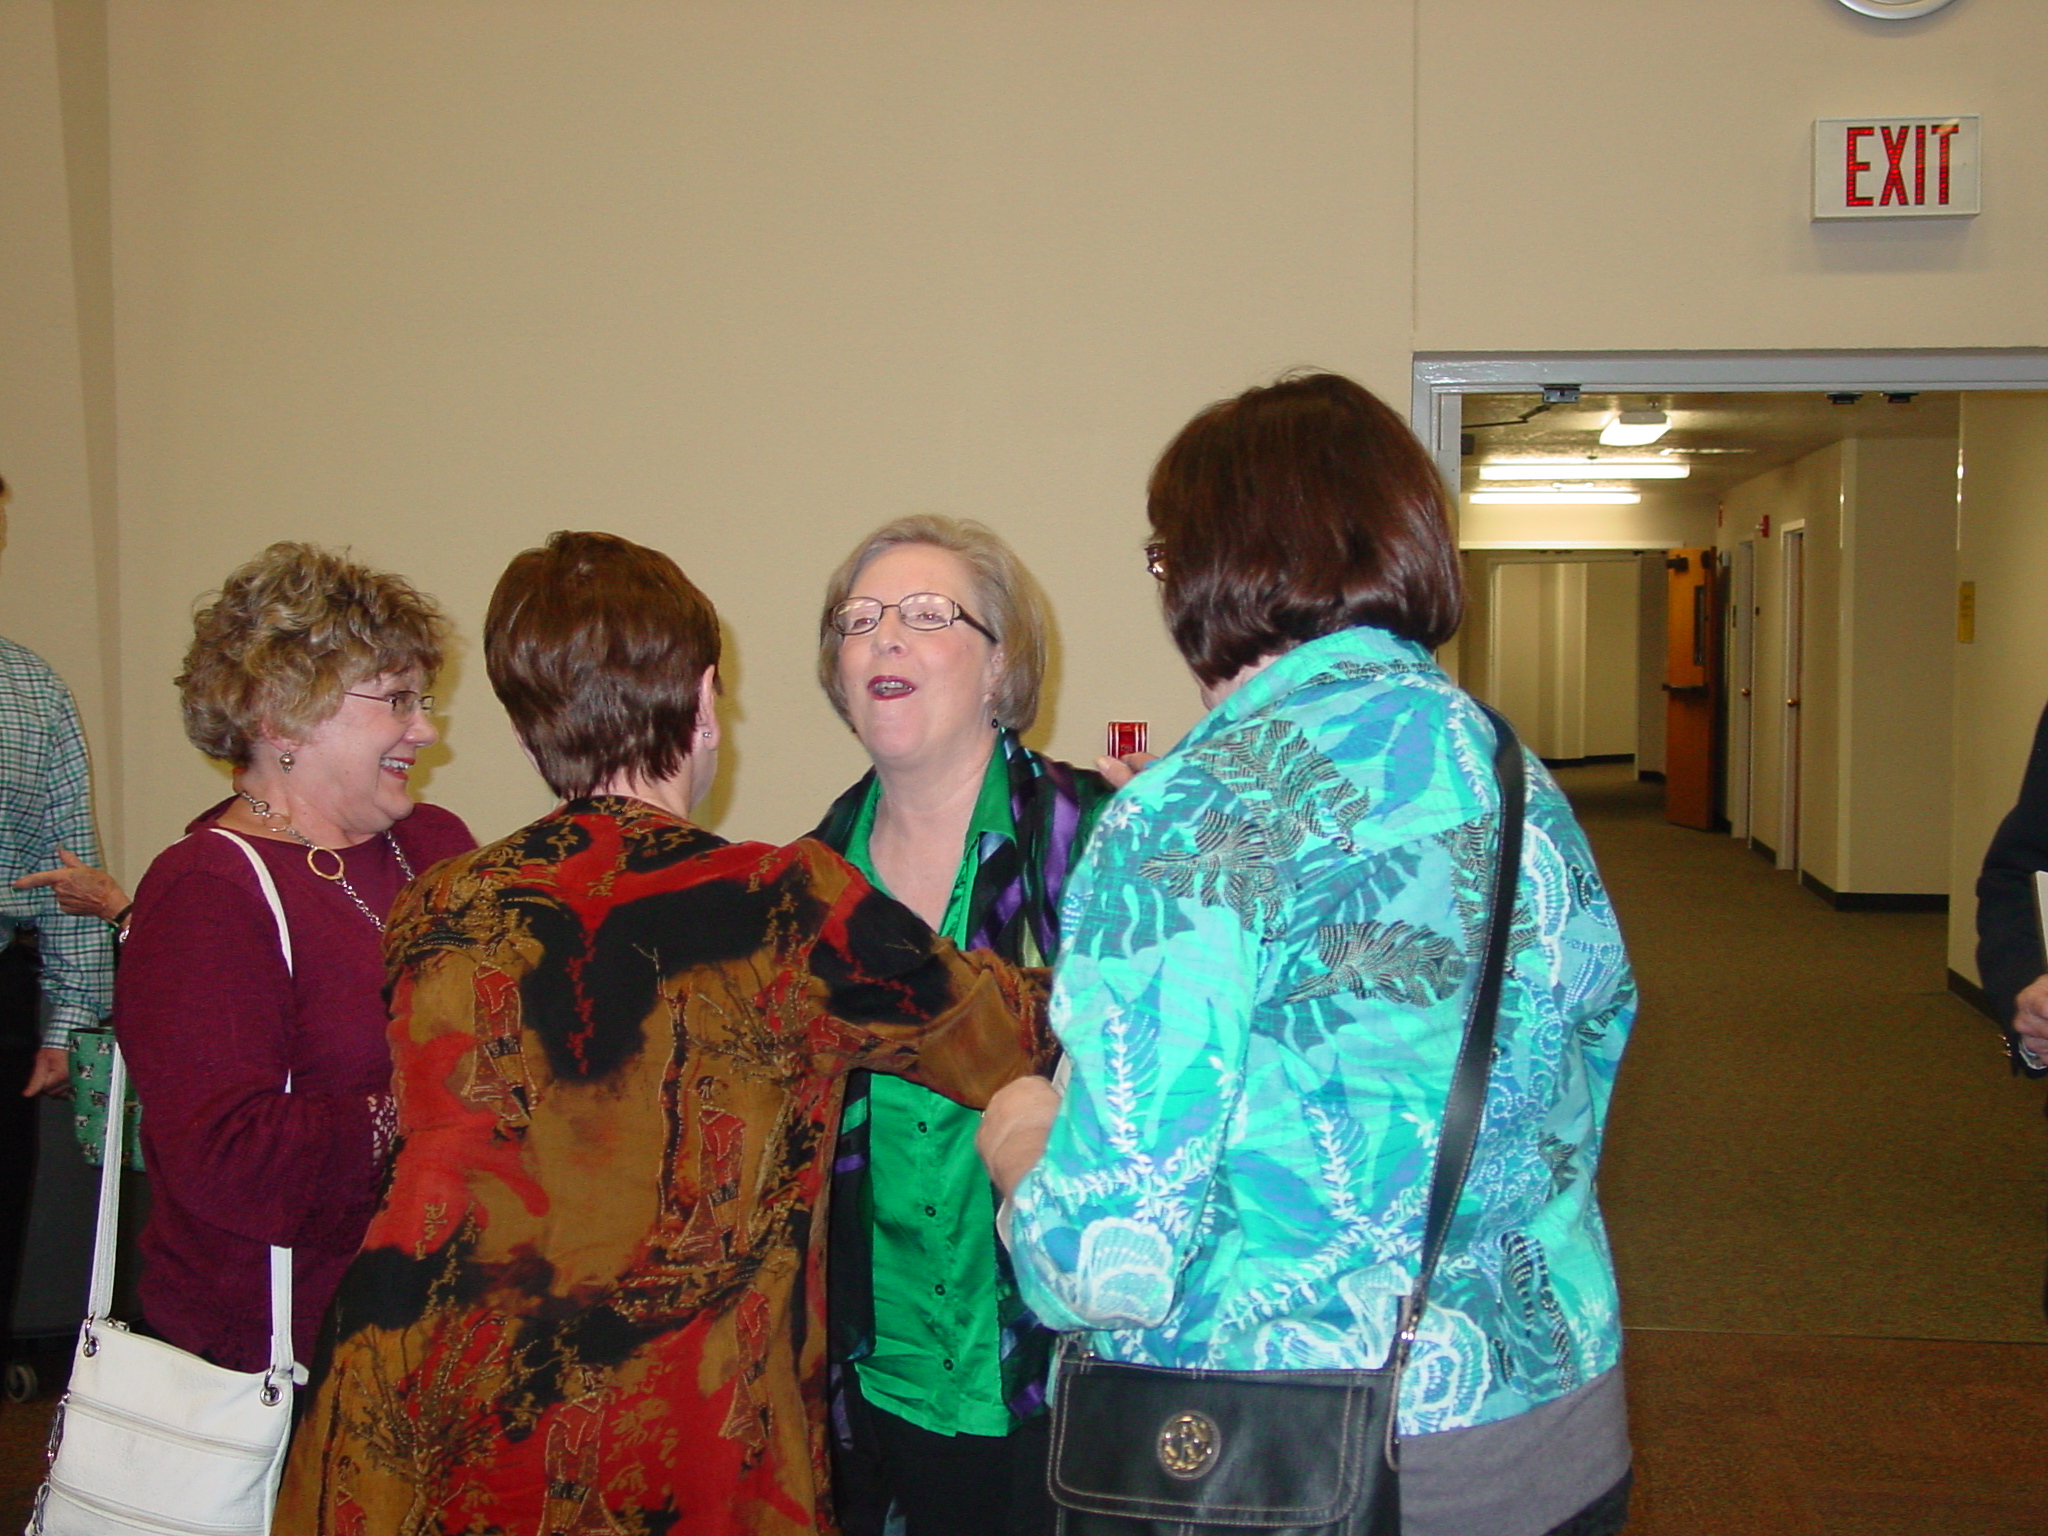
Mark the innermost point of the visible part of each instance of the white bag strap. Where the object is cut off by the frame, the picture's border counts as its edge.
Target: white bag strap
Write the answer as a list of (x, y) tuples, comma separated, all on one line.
[(106, 1230), (282, 1364)]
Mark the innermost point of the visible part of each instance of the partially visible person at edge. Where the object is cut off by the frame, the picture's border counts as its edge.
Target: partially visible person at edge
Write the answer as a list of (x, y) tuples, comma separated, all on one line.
[(2009, 956), (306, 675), (56, 968), (84, 890), (932, 649), (1270, 954), (593, 1299)]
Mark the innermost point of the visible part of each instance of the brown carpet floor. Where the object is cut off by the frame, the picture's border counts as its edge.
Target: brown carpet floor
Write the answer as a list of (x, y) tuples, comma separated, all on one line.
[(1811, 1134), (1826, 1200)]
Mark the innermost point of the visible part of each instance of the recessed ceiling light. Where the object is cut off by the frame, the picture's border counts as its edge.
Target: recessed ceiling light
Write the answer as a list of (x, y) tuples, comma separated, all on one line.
[(1635, 429), (1555, 498), (1585, 469)]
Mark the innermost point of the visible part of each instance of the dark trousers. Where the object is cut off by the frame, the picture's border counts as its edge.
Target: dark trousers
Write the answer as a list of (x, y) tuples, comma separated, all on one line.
[(944, 1485), (19, 1030), (1605, 1516)]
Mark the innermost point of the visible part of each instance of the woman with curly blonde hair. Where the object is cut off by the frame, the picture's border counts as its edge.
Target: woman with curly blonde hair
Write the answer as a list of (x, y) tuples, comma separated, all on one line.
[(305, 675)]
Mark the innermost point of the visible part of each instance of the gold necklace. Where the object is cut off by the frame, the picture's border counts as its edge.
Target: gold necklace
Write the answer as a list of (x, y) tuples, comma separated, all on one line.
[(313, 851)]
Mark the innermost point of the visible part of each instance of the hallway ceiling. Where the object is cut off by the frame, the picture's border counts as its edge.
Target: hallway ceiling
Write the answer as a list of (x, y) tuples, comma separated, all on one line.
[(1727, 438)]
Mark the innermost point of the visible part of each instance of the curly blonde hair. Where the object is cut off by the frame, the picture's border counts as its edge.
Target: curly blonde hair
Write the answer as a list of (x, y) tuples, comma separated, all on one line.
[(1007, 599), (290, 632)]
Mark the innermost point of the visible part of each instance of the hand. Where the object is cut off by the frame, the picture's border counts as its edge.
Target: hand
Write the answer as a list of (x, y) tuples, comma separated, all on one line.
[(50, 1073), (1121, 770), (2030, 1018), (80, 889), (1014, 1130)]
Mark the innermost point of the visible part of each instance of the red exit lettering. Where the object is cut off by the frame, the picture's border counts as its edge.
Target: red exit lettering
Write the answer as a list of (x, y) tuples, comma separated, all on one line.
[(1900, 147)]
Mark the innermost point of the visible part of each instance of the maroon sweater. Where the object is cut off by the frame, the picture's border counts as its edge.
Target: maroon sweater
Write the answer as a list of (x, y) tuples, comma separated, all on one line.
[(211, 1022)]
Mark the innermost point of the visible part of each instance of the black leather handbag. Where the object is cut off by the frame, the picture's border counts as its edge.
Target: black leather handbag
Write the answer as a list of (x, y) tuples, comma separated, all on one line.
[(1141, 1450)]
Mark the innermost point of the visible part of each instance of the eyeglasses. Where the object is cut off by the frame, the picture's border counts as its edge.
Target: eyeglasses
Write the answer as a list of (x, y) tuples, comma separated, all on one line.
[(920, 610), (1155, 560), (403, 704)]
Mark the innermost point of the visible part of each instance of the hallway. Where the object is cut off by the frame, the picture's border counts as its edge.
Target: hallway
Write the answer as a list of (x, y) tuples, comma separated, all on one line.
[(1825, 1196)]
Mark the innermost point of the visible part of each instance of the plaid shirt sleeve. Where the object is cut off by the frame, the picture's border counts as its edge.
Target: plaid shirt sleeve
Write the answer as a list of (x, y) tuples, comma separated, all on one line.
[(45, 804)]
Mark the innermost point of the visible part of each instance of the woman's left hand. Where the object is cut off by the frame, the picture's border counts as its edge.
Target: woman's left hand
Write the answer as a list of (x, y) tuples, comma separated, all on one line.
[(1014, 1130)]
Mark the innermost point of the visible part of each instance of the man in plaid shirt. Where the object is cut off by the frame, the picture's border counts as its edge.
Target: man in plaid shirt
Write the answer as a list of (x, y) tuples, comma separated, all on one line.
[(56, 969)]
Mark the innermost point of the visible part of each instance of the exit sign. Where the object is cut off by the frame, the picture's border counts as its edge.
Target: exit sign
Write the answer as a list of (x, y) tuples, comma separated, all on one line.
[(1895, 167)]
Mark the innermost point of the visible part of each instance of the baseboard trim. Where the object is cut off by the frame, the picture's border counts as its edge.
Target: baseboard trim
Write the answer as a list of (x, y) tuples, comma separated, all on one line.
[(1650, 775), (1589, 762), (1764, 851), (1874, 901), (1972, 994)]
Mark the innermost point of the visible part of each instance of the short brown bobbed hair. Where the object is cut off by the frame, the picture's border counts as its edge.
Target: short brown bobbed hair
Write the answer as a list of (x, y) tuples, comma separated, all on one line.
[(287, 635), (1295, 510), (1006, 600), (594, 645)]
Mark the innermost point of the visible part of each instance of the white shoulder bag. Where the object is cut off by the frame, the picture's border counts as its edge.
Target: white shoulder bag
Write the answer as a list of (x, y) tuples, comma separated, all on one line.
[(150, 1440)]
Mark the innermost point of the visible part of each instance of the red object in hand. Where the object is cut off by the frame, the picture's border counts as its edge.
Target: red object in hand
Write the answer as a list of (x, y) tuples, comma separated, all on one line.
[(1126, 737)]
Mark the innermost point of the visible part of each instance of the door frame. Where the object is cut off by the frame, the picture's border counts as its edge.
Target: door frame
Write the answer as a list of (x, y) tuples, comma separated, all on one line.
[(1792, 680), (1440, 378), (1739, 660)]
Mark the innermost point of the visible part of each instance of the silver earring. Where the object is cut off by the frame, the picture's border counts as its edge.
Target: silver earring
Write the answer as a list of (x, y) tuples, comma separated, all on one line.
[(284, 761)]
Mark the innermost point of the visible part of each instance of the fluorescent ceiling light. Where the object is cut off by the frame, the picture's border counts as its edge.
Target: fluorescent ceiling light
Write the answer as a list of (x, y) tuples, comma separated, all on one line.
[(1585, 469), (1555, 498), (1633, 429)]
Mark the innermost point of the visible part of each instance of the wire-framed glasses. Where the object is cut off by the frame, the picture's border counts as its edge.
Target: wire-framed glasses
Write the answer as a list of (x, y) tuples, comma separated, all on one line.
[(920, 610), (403, 703), (1155, 560)]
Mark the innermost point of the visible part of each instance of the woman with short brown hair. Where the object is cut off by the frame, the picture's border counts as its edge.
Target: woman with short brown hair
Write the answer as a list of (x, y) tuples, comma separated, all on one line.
[(593, 1297), (1273, 947)]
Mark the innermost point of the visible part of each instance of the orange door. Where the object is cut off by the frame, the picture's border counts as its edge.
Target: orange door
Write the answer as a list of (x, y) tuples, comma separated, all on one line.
[(1692, 668)]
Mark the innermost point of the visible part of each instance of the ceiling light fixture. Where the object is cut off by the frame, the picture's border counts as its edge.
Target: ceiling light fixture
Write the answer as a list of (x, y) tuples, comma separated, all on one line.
[(1555, 498), (1635, 429), (1585, 469)]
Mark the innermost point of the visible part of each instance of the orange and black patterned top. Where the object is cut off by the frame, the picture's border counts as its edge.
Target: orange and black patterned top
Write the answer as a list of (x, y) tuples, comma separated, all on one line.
[(592, 1300)]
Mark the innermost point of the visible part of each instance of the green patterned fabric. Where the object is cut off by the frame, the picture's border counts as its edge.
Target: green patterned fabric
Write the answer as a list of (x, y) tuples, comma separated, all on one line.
[(1271, 946), (92, 1067)]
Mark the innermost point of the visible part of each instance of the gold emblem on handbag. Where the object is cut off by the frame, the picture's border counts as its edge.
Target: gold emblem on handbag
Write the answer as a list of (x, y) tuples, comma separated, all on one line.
[(1188, 1444)]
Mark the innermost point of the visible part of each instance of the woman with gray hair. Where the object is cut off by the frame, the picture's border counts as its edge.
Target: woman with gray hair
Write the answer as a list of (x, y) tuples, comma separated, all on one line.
[(932, 648)]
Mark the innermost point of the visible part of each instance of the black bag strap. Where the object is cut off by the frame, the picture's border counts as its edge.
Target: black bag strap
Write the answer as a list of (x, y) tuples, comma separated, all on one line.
[(1467, 1101)]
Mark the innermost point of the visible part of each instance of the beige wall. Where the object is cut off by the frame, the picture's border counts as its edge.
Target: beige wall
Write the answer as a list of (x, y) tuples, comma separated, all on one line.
[(1876, 696), (1552, 644), (743, 280), (1898, 644), (2002, 678), (1610, 658), (52, 596), (1607, 175)]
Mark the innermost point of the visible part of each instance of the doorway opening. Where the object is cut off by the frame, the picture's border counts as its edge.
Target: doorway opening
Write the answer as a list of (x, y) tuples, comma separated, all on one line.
[(1858, 450)]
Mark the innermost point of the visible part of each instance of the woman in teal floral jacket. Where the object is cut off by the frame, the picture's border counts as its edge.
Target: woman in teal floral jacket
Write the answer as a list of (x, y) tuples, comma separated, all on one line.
[(1270, 951)]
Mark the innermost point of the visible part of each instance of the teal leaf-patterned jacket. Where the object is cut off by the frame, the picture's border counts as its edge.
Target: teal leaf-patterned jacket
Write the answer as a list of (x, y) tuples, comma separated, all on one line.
[(1271, 947)]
